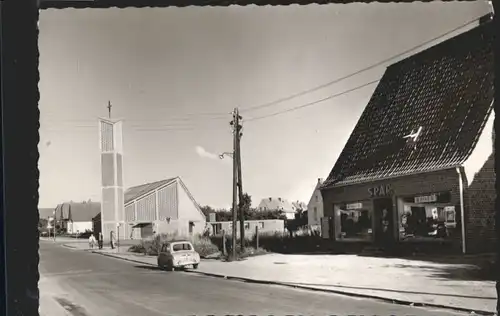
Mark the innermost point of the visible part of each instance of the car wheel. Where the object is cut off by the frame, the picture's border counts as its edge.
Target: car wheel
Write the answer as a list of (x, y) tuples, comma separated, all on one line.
[(195, 266)]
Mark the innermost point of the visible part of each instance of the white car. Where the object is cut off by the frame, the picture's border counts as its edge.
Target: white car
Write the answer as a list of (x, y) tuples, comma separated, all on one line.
[(178, 254)]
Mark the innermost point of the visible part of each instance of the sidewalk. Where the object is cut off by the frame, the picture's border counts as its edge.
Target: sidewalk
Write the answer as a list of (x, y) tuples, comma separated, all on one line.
[(399, 280)]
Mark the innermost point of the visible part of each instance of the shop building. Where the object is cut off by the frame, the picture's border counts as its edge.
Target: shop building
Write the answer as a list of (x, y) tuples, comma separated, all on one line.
[(418, 166)]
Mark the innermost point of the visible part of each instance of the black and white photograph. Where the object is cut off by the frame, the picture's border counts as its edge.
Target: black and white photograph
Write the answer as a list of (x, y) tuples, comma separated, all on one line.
[(332, 159)]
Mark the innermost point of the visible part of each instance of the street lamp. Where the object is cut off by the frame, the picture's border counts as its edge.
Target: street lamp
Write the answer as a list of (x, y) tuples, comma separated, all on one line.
[(221, 156), (118, 236)]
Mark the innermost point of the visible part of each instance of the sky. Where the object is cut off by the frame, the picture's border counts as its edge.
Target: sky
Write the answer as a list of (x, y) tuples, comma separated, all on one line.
[(175, 74)]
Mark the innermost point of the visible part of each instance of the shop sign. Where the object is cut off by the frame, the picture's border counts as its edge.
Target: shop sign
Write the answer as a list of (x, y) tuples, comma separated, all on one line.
[(426, 198), (382, 190), (449, 212), (354, 206)]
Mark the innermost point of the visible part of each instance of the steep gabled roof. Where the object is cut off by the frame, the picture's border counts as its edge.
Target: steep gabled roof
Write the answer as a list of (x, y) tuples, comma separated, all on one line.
[(316, 188), (84, 212), (446, 90), (137, 191), (78, 211)]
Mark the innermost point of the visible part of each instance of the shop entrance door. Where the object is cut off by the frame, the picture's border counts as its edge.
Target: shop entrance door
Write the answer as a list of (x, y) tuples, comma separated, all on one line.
[(384, 221)]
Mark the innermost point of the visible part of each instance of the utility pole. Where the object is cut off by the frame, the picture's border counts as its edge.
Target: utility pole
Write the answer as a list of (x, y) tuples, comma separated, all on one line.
[(240, 182), (234, 123)]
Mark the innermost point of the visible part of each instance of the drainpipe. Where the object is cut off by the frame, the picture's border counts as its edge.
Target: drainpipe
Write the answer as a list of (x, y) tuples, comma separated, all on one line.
[(462, 209)]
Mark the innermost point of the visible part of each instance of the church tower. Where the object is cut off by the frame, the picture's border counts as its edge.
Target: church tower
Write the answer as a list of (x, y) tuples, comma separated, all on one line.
[(112, 199)]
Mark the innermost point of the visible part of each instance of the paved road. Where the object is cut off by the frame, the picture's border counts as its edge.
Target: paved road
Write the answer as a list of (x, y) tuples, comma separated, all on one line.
[(101, 286)]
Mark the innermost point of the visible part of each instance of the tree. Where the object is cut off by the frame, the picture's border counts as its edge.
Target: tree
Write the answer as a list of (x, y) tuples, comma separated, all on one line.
[(207, 210)]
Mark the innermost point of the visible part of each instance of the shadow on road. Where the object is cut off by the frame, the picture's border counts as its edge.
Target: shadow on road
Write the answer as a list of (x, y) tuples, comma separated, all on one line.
[(147, 267), (484, 271), (397, 291)]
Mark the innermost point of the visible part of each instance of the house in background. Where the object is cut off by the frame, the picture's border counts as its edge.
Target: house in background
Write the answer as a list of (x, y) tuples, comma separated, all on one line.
[(315, 208), (271, 204), (418, 166), (300, 206), (76, 217), (251, 226), (162, 207), (44, 214)]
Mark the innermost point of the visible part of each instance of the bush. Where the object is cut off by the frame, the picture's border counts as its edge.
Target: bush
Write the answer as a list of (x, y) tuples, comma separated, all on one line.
[(205, 247), (152, 246), (284, 243)]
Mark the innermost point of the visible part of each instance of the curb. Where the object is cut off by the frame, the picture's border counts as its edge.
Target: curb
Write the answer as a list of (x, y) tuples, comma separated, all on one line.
[(121, 258), (373, 297)]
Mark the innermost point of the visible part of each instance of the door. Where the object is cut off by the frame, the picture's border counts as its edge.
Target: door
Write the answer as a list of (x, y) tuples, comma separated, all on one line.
[(147, 230), (384, 221)]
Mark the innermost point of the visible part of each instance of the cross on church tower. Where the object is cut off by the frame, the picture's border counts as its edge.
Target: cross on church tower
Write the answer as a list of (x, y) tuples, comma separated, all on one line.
[(109, 108)]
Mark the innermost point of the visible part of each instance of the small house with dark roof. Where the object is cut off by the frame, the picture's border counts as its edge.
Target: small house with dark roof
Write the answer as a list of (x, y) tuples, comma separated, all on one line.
[(271, 204), (76, 217), (418, 166), (162, 207)]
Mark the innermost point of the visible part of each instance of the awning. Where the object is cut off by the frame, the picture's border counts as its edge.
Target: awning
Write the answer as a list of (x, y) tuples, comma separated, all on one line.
[(140, 225)]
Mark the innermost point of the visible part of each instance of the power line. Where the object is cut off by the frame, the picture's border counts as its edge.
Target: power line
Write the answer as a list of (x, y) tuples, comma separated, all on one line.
[(299, 94), (313, 102)]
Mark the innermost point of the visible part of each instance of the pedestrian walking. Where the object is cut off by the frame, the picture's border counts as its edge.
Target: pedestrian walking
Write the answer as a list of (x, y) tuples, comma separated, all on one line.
[(91, 241), (112, 239), (100, 240)]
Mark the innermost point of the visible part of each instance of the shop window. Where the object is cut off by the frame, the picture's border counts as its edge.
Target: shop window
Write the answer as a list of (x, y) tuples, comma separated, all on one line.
[(354, 220), (427, 217)]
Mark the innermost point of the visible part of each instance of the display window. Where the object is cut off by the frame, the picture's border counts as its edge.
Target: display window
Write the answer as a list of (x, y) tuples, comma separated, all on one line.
[(354, 220), (427, 216)]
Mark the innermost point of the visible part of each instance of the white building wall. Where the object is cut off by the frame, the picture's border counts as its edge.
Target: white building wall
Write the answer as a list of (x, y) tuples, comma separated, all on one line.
[(315, 208), (189, 211), (111, 148), (482, 151), (79, 227)]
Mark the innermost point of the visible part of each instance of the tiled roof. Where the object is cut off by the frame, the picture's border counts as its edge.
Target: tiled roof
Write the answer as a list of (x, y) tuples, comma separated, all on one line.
[(447, 90), (300, 205), (135, 192), (78, 211), (276, 204), (84, 212)]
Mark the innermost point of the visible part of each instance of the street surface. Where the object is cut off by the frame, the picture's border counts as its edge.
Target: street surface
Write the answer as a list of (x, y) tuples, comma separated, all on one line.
[(89, 284)]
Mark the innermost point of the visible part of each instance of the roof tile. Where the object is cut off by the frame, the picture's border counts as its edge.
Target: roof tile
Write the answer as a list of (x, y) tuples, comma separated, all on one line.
[(446, 91), (135, 192)]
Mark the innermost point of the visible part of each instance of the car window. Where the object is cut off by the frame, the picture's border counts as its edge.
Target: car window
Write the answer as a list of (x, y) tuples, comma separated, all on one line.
[(181, 247), (165, 247)]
